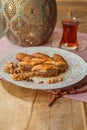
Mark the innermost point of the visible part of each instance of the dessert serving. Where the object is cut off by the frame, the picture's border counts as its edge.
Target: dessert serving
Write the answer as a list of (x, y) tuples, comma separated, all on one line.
[(43, 68), (37, 64)]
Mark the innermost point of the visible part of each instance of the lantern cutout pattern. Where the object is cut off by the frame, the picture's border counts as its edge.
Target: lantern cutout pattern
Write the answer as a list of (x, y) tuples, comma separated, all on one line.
[(28, 22)]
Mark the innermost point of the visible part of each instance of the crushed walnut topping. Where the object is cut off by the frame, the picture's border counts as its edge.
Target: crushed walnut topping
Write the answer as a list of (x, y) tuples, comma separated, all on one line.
[(9, 67), (54, 80)]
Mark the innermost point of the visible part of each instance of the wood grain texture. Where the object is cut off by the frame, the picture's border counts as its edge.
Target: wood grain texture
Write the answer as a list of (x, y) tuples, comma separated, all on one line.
[(72, 8), (26, 109)]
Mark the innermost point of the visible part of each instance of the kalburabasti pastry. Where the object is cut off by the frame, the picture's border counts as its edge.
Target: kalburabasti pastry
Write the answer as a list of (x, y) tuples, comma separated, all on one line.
[(37, 65)]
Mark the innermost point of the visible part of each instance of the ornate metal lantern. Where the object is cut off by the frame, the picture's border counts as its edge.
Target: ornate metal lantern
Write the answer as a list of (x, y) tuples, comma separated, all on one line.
[(28, 22)]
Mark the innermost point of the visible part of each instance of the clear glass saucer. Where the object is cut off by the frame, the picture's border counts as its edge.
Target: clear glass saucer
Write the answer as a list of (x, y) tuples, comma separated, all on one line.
[(82, 44)]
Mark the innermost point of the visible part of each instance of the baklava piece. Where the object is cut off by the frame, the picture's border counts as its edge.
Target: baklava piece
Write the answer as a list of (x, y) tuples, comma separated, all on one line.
[(59, 58), (45, 70), (27, 65), (23, 57), (62, 66)]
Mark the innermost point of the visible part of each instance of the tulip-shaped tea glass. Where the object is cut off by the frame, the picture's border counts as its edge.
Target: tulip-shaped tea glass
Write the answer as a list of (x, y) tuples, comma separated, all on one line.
[(70, 39)]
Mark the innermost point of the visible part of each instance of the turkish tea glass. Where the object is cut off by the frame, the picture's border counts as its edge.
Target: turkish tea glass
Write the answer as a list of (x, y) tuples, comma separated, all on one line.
[(69, 40)]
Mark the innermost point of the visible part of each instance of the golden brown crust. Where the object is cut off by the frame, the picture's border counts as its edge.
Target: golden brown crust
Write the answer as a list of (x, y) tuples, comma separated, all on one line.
[(62, 66), (45, 70), (24, 65), (38, 59), (27, 65), (40, 55), (44, 67), (27, 58), (58, 58), (30, 62), (22, 56)]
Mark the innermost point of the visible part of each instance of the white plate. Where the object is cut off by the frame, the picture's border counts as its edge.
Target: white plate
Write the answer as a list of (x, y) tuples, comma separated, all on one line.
[(76, 72)]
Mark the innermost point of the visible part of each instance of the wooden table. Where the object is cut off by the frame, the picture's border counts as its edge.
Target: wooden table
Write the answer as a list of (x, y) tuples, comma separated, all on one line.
[(25, 109)]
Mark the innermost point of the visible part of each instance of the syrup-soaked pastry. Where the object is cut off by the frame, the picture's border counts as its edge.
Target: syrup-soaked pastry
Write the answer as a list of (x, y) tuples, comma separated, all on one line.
[(45, 70), (41, 55), (22, 56), (27, 65), (27, 58), (38, 59), (58, 58), (44, 67), (37, 64), (62, 66)]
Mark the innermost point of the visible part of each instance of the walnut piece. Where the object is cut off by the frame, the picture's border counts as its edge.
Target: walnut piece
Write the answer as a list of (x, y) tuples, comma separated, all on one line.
[(54, 80), (22, 76), (9, 67)]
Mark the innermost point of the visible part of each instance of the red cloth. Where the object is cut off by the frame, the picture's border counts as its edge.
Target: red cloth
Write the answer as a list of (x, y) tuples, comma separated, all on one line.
[(6, 46)]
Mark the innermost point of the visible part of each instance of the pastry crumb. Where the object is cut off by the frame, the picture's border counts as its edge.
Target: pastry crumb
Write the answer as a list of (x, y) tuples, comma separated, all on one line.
[(54, 80)]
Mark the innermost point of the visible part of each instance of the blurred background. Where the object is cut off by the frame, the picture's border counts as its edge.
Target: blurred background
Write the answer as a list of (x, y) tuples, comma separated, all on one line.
[(73, 8), (68, 8)]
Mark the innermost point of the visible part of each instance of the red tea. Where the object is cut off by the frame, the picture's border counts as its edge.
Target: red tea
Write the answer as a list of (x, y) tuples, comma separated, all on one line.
[(69, 37)]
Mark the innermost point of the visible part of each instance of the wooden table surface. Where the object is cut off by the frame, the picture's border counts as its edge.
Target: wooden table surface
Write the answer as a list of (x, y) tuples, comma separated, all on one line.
[(26, 109)]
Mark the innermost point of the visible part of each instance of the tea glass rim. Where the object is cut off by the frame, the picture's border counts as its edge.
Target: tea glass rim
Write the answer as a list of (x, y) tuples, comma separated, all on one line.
[(73, 20)]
